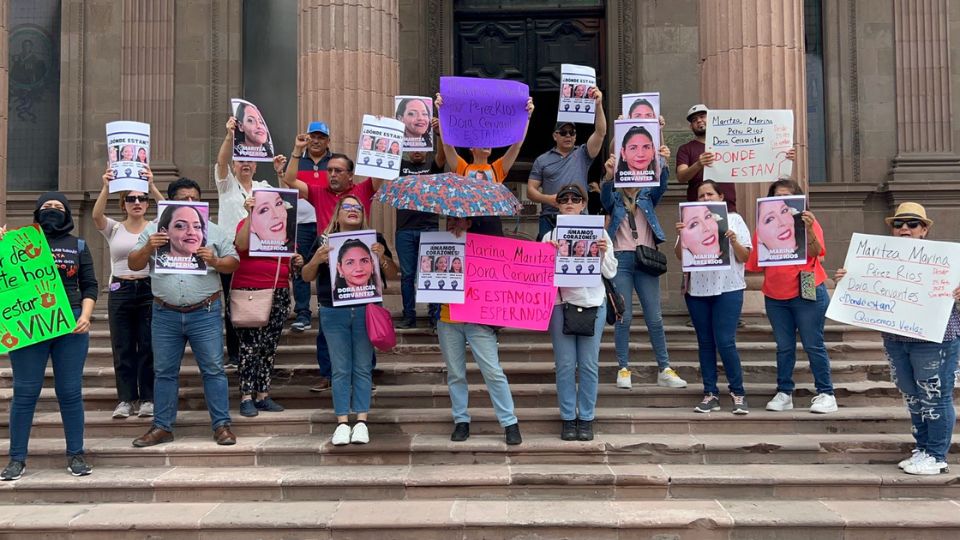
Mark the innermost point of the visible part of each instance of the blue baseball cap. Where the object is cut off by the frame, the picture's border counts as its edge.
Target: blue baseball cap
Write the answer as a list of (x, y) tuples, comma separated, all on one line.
[(318, 126)]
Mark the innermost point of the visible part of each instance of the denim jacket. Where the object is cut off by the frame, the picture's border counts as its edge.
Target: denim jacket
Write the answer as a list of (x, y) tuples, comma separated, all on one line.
[(647, 200)]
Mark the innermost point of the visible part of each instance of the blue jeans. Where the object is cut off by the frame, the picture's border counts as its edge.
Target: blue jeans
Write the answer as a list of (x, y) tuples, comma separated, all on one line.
[(350, 353), (806, 317), (577, 359), (171, 332), (408, 250), (306, 236), (69, 353), (924, 373), (627, 280), (453, 338), (323, 351), (715, 320)]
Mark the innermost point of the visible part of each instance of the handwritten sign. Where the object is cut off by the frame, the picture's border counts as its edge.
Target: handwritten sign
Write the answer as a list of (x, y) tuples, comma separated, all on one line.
[(482, 113), (33, 303), (509, 283), (749, 145), (901, 286)]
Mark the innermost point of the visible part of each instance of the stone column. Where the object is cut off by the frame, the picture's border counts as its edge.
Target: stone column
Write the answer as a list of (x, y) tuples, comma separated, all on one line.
[(751, 57), (925, 149), (4, 71), (146, 76), (349, 66)]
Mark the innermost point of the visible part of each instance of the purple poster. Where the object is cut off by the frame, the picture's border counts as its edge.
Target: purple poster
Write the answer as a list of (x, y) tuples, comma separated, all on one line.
[(482, 113)]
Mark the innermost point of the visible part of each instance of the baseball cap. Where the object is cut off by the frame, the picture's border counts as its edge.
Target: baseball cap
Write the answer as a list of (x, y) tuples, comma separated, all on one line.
[(561, 124), (698, 108), (318, 126), (569, 189)]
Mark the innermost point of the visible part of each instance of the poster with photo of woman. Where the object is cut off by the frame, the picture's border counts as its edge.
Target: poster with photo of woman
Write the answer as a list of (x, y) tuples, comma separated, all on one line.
[(251, 138), (703, 239), (128, 151), (273, 223), (641, 106), (636, 145), (576, 105), (378, 154), (578, 251), (416, 113), (186, 226), (355, 268), (440, 279), (781, 234)]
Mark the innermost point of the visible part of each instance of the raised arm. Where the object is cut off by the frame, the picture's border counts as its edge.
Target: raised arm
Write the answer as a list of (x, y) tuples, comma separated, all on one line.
[(225, 155), (449, 152), (514, 151), (289, 177), (99, 207), (595, 142), (439, 155)]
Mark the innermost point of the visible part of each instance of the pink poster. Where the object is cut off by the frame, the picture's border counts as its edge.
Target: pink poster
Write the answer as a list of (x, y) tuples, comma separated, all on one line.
[(509, 283)]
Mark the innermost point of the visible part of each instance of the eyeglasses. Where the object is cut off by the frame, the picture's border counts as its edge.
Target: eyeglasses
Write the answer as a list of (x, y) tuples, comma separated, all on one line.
[(912, 223), (567, 133), (335, 170), (570, 199), (350, 207), (136, 198)]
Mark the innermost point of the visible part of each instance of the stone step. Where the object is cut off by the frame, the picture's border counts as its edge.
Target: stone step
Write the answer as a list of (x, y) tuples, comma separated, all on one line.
[(448, 519), (849, 394), (477, 482), (437, 421), (429, 449)]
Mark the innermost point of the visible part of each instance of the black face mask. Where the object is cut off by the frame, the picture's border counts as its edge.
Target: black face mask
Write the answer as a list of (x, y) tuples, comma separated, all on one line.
[(54, 222)]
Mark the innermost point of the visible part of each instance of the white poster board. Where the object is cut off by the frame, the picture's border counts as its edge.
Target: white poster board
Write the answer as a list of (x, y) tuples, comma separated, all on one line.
[(440, 268), (378, 154), (636, 144), (749, 145), (641, 106), (578, 256), (576, 105), (354, 268), (128, 151)]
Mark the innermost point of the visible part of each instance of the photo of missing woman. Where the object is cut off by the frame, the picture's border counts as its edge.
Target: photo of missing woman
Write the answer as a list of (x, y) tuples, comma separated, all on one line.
[(781, 234), (186, 225), (703, 239), (355, 272), (415, 112), (636, 151), (644, 105), (251, 138), (273, 223)]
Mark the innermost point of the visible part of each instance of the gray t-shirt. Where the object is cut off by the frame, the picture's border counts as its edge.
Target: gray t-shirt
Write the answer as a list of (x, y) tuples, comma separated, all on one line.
[(554, 171)]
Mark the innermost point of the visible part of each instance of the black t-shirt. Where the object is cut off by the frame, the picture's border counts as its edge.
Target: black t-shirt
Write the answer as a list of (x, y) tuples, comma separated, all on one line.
[(413, 219), (75, 264), (324, 290)]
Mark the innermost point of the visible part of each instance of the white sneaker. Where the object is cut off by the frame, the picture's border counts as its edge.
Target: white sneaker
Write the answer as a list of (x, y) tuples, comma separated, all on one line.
[(623, 378), (780, 402), (915, 454), (360, 435), (146, 409), (123, 410), (823, 403), (926, 465), (341, 435), (669, 378)]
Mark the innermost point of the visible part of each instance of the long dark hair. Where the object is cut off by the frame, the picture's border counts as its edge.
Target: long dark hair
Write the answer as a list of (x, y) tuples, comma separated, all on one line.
[(167, 216), (639, 103), (402, 109)]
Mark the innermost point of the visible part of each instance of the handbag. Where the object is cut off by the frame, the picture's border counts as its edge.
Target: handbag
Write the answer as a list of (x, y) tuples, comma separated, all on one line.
[(251, 309), (578, 321), (380, 328), (615, 302), (649, 260)]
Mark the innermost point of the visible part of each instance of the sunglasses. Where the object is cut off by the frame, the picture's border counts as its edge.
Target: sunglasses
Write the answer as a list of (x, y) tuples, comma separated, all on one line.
[(912, 223), (567, 133), (136, 198), (350, 207), (570, 199), (335, 170)]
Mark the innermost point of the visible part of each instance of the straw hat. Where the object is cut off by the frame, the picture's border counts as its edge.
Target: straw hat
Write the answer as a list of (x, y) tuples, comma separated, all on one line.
[(910, 210)]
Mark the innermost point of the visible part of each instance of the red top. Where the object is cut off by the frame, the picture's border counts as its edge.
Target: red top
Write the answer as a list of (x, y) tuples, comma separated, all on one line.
[(783, 282), (325, 201), (258, 272)]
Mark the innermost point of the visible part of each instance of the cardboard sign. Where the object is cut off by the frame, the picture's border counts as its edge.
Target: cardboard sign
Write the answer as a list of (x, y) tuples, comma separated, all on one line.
[(128, 151), (251, 138), (509, 283), (781, 233), (902, 286), (750, 146), (440, 277), (273, 223), (416, 113), (578, 256), (641, 106), (635, 144), (378, 154), (703, 241), (354, 268), (576, 105), (33, 303), (482, 113)]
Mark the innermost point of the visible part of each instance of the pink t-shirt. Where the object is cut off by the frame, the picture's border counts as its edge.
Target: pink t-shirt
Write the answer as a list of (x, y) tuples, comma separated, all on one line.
[(624, 240)]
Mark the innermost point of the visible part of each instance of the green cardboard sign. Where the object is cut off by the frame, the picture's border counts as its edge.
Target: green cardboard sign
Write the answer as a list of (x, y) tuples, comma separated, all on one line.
[(33, 303)]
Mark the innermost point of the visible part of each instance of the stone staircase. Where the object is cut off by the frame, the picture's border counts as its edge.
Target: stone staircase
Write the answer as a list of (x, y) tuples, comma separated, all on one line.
[(655, 470)]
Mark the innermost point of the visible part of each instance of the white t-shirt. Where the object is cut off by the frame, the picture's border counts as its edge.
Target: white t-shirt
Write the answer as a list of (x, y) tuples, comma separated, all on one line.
[(121, 242), (719, 282), (306, 213), (232, 196)]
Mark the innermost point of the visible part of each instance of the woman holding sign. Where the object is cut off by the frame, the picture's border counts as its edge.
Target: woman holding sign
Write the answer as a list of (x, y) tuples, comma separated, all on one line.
[(577, 357), (796, 300), (922, 370), (67, 352)]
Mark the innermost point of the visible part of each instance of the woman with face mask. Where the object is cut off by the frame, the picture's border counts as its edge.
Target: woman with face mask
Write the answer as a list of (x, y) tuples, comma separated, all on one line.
[(68, 352)]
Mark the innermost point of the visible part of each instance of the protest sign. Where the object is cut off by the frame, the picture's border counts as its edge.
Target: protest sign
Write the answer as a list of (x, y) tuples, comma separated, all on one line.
[(416, 113), (781, 233), (273, 223), (128, 151), (354, 268), (578, 256), (378, 155), (636, 144), (251, 137), (509, 283), (440, 275), (703, 241), (644, 105), (482, 113), (576, 105), (186, 225), (902, 286), (748, 145), (34, 306)]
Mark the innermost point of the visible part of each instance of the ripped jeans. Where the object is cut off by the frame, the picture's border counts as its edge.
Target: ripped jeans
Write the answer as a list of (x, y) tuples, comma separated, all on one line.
[(925, 374)]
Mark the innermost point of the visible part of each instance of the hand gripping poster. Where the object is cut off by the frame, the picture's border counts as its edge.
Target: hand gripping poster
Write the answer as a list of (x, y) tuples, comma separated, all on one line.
[(185, 224)]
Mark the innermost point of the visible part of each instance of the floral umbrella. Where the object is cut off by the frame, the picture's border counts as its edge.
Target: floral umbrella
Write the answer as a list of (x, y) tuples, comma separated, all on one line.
[(450, 195)]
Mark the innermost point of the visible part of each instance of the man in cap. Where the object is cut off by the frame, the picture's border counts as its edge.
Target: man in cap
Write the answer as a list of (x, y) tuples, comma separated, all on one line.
[(692, 158)]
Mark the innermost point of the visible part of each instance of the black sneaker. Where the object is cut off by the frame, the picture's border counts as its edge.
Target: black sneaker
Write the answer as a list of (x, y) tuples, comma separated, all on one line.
[(512, 434), (568, 430), (709, 403), (585, 430), (267, 404), (407, 324), (248, 409), (740, 404), (13, 471), (461, 432), (77, 466)]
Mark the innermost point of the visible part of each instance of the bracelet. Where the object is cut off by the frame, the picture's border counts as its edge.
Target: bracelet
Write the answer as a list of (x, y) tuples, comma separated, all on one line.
[(296, 156)]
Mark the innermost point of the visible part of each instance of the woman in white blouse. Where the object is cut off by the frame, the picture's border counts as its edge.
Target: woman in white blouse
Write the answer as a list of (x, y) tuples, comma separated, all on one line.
[(577, 357), (715, 299)]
